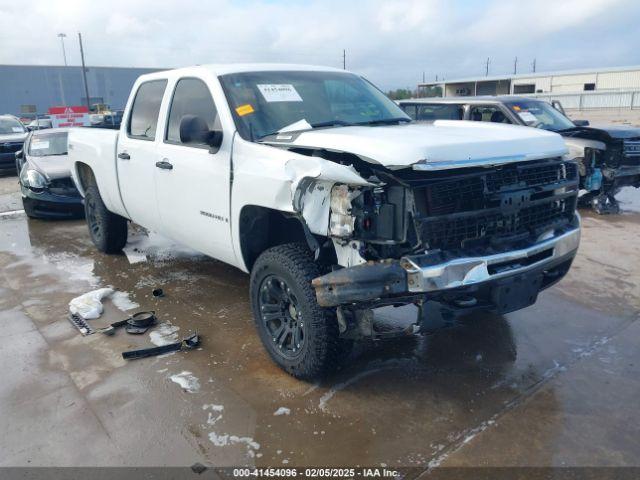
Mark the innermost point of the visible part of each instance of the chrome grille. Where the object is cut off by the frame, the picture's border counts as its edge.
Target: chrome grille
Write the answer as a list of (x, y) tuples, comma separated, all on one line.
[(632, 148)]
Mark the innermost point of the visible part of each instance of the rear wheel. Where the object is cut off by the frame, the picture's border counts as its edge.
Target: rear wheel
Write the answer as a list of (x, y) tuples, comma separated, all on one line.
[(107, 230), (300, 336)]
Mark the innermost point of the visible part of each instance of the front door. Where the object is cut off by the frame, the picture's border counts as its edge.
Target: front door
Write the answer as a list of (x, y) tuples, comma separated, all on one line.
[(192, 180), (137, 153)]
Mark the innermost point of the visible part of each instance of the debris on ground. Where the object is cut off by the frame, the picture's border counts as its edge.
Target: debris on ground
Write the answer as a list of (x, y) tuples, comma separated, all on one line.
[(140, 322), (111, 329), (157, 292), (282, 411), (134, 255), (186, 343), (89, 305), (187, 381), (83, 327)]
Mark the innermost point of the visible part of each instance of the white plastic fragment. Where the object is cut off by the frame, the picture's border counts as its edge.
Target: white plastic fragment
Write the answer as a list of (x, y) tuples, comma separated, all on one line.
[(282, 411), (89, 305), (187, 381)]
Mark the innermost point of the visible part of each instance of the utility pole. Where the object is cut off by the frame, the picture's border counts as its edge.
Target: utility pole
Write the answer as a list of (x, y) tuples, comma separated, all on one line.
[(533, 66), (423, 77), (64, 53), (486, 70), (344, 59), (84, 72), (515, 66)]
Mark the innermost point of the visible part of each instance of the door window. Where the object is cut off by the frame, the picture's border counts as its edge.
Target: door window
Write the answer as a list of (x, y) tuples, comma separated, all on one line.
[(146, 107), (488, 113), (440, 112), (191, 97)]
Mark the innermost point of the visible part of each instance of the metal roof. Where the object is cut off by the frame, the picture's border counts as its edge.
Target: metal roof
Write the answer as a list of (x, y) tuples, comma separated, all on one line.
[(493, 78)]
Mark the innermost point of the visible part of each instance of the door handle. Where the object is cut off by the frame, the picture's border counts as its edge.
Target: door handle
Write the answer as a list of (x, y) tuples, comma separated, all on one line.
[(124, 156), (164, 165)]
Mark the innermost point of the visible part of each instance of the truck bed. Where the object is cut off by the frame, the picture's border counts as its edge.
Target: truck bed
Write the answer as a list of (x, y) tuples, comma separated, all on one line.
[(96, 147)]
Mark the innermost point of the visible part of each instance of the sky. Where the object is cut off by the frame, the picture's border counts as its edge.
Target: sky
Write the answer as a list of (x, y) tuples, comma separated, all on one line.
[(393, 43)]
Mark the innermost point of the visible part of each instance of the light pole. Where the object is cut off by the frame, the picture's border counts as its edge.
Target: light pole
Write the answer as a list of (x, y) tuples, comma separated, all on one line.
[(64, 53)]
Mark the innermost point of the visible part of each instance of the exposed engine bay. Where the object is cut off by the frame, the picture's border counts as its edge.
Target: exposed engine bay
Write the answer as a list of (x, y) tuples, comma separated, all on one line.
[(462, 211), (406, 219), (608, 161)]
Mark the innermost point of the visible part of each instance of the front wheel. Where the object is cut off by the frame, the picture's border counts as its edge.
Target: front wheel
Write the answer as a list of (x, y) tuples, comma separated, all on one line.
[(300, 336), (107, 230)]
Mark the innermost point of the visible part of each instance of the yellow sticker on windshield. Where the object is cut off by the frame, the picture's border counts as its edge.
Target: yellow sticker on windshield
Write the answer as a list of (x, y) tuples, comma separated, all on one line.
[(243, 110), (516, 108)]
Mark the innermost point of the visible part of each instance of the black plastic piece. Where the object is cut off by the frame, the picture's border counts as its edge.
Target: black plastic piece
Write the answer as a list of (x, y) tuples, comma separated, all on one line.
[(189, 342)]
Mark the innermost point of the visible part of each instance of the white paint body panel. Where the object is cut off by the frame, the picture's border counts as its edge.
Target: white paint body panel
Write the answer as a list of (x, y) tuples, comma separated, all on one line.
[(245, 174), (400, 146)]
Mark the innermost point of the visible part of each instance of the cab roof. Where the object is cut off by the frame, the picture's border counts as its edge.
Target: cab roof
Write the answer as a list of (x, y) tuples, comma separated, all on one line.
[(225, 69), (471, 100)]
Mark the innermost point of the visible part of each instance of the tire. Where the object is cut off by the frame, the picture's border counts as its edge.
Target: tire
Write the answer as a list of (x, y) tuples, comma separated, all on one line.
[(306, 347), (107, 230)]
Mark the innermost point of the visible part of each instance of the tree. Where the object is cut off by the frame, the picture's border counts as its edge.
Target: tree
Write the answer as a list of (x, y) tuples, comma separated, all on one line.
[(400, 94)]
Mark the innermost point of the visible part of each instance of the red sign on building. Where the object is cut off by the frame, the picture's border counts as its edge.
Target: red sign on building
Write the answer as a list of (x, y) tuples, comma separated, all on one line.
[(77, 116)]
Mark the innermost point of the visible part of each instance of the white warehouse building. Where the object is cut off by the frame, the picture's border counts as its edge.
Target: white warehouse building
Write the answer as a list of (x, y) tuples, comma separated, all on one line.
[(613, 87)]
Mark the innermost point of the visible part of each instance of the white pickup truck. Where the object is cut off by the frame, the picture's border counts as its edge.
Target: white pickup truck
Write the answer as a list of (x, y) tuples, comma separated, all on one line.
[(321, 187)]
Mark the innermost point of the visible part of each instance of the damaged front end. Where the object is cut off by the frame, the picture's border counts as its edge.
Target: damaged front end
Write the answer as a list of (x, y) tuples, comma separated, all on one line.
[(449, 242), (606, 165)]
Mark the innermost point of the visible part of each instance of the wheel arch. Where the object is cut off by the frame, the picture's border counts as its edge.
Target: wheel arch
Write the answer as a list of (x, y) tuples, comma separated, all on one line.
[(261, 228), (84, 175)]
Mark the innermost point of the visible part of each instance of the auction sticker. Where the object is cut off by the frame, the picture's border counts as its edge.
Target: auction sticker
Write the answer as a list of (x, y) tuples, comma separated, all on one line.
[(279, 93), (527, 116)]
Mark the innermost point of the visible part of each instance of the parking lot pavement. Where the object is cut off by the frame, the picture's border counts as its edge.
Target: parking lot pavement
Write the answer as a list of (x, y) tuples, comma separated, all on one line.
[(9, 192), (555, 384)]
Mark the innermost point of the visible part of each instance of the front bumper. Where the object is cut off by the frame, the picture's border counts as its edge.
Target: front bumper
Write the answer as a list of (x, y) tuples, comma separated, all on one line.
[(48, 205), (434, 276), (622, 176), (7, 161)]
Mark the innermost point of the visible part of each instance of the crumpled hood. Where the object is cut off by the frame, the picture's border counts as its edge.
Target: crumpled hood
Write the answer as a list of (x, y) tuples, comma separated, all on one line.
[(53, 166), (442, 144)]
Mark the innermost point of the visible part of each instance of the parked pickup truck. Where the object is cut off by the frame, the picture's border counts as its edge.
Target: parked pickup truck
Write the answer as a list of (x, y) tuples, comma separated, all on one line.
[(320, 186), (608, 156)]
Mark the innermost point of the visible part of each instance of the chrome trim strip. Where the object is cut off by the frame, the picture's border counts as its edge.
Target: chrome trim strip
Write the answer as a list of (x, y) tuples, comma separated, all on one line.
[(427, 166), (468, 271)]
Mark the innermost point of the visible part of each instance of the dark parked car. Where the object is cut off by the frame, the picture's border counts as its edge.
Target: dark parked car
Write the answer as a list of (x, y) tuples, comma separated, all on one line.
[(45, 176), (608, 157), (12, 135)]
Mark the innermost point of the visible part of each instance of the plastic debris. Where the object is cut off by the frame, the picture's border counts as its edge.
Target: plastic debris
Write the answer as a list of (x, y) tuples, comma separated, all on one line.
[(89, 305)]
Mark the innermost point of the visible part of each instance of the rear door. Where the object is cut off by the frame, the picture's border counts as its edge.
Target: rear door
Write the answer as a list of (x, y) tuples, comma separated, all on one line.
[(192, 180), (137, 154)]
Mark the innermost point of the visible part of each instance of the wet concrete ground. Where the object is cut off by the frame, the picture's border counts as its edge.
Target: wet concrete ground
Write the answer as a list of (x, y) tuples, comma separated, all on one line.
[(556, 384)]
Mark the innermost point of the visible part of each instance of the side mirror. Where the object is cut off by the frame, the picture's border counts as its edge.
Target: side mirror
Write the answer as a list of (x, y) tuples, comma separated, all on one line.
[(194, 129), (20, 154), (581, 123)]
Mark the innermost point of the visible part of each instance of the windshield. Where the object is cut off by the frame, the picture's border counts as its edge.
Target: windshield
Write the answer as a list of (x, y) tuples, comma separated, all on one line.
[(540, 115), (9, 126), (264, 103), (49, 144)]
